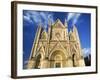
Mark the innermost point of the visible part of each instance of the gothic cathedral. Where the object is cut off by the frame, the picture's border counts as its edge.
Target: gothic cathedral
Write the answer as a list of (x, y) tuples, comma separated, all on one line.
[(56, 47)]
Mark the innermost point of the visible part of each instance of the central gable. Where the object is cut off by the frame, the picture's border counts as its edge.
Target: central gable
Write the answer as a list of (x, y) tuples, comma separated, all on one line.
[(58, 24)]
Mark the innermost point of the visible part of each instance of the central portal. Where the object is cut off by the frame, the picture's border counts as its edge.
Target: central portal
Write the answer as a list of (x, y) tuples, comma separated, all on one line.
[(57, 59)]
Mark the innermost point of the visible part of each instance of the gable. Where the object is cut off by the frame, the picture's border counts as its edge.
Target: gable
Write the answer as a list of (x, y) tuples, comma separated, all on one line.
[(58, 24)]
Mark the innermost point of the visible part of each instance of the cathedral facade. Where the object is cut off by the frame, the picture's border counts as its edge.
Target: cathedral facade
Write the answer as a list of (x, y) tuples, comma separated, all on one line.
[(56, 47)]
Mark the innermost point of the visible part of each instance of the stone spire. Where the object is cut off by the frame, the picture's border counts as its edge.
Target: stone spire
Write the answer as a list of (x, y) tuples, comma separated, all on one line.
[(66, 25), (49, 22), (76, 33), (34, 47)]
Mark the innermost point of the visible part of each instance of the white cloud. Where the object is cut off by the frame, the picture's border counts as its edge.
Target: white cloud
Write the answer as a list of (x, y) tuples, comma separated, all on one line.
[(70, 16), (27, 18), (37, 17), (74, 17), (86, 51)]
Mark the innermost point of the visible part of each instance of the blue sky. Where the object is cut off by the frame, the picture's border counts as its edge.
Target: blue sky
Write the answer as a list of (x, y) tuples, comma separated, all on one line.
[(31, 19)]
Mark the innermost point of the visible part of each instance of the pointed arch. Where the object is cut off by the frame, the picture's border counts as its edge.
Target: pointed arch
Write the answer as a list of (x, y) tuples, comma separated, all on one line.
[(57, 59)]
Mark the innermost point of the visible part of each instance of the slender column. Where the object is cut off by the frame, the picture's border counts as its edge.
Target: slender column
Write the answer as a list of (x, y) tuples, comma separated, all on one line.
[(44, 63)]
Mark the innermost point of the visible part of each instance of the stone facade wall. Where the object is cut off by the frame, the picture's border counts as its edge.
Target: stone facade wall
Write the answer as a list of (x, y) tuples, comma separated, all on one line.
[(56, 48)]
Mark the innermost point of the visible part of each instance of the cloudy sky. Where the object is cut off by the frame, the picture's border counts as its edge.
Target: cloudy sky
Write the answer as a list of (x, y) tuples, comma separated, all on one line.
[(31, 20)]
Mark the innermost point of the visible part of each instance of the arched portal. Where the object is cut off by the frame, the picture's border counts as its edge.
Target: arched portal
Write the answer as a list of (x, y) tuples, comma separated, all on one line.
[(57, 59), (73, 59)]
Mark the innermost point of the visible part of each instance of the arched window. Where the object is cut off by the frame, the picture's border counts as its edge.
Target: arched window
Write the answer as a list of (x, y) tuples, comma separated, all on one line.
[(58, 35), (44, 35), (71, 38)]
